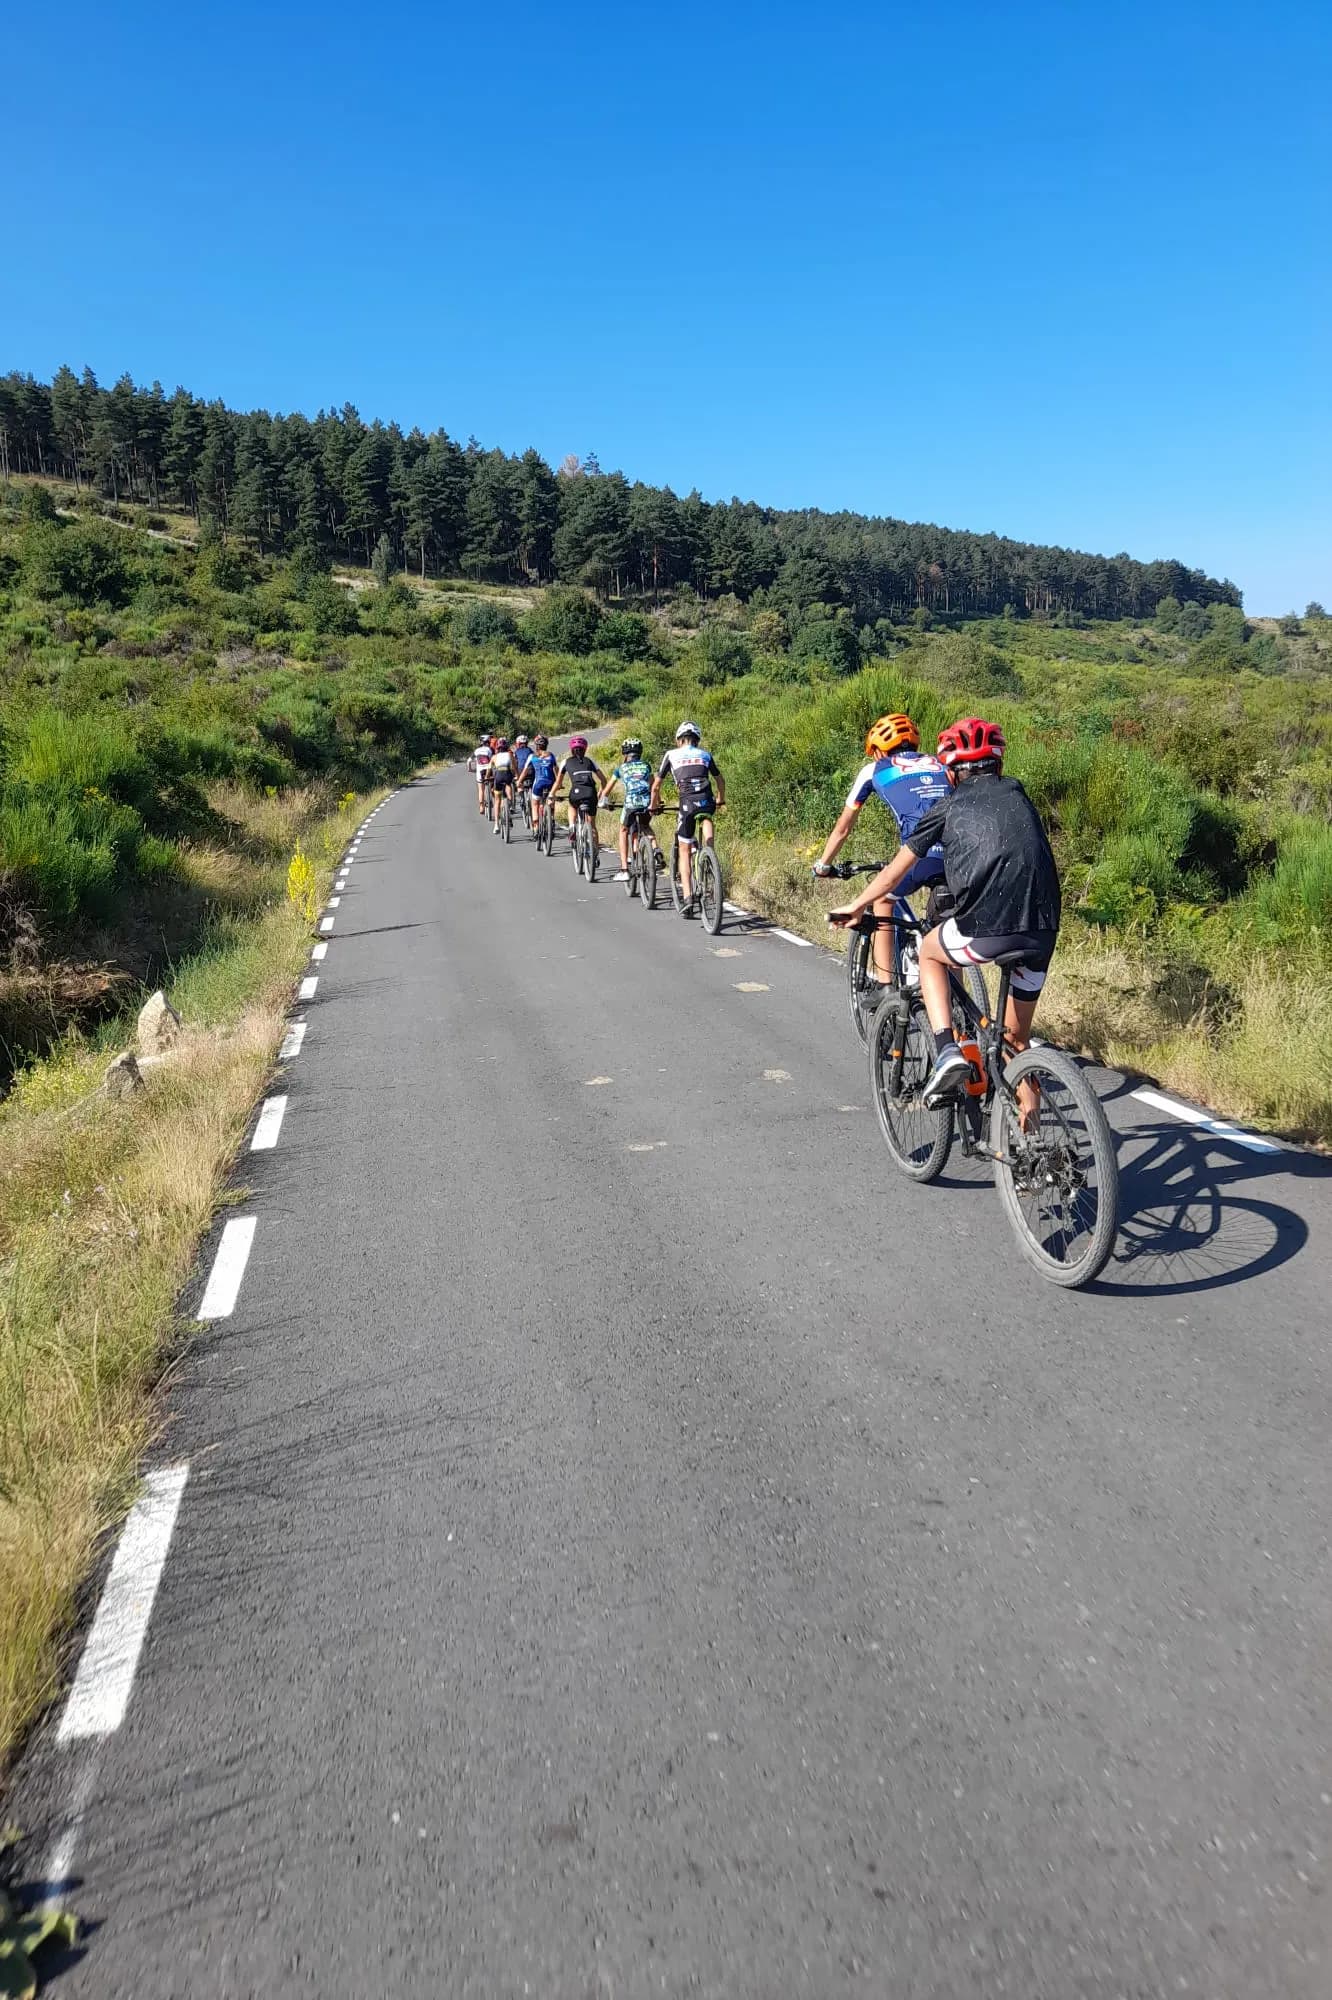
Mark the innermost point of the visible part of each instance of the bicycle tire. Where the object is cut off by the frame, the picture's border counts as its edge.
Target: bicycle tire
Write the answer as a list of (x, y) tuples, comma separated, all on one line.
[(708, 888), (647, 872), (577, 845), (1066, 1098), (677, 892), (859, 960), (632, 871), (506, 822), (900, 1050)]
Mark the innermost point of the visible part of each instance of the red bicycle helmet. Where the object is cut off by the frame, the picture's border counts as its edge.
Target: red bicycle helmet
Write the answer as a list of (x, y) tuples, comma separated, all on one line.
[(577, 745), (971, 741)]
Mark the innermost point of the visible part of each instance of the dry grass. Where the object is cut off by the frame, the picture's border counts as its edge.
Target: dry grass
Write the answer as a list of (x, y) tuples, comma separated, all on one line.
[(102, 1204)]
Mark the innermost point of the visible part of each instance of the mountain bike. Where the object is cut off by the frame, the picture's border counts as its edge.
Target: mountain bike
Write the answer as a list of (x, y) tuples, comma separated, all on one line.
[(487, 790), (1057, 1176), (706, 881), (863, 985), (586, 850), (504, 814), (642, 846), (525, 801), (545, 826)]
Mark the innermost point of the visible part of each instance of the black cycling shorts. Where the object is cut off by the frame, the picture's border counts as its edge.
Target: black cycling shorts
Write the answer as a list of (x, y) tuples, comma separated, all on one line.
[(690, 815)]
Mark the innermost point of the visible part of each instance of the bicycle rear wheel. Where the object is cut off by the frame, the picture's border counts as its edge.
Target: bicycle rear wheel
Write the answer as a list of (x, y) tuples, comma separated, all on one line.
[(708, 888), (859, 977), (593, 851), (506, 820), (632, 872), (901, 1056), (647, 871), (1059, 1181)]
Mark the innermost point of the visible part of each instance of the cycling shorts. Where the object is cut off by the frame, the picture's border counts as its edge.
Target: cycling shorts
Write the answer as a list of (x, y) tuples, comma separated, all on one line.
[(540, 791), (638, 816), (690, 815), (584, 795), (1028, 952), (502, 780)]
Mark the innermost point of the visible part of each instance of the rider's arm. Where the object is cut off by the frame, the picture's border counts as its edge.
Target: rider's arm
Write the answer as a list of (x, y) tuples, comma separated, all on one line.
[(715, 768), (837, 839), (884, 883)]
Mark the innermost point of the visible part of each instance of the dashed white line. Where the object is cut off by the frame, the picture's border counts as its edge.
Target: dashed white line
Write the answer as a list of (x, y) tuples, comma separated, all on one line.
[(334, 902), (736, 910), (326, 923), (308, 986), (269, 1125), (101, 1690), (224, 1280), (319, 952), (806, 944), (1188, 1114), (291, 1041)]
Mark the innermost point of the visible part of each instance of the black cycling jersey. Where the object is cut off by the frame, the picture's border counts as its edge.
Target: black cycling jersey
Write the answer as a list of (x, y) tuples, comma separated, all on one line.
[(583, 775), (997, 860)]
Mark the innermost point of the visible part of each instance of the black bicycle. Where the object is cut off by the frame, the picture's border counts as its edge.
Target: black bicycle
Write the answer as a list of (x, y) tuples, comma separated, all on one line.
[(706, 882), (1033, 1115), (525, 802), (863, 985), (504, 813), (545, 826)]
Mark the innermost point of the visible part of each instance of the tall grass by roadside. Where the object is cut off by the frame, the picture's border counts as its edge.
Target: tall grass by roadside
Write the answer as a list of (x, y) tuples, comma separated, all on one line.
[(102, 1203)]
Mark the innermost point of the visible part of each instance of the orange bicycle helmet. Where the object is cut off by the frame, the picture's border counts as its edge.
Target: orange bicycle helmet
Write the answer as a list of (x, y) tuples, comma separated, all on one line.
[(971, 741), (889, 733)]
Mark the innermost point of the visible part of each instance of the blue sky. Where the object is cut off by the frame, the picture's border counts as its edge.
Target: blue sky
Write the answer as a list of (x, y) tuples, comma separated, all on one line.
[(1056, 270)]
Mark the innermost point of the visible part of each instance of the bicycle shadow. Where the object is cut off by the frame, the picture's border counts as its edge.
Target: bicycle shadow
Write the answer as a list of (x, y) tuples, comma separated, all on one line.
[(1196, 1213)]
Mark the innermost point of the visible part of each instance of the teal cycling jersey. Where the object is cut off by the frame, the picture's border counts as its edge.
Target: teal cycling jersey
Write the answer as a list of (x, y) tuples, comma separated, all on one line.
[(636, 777)]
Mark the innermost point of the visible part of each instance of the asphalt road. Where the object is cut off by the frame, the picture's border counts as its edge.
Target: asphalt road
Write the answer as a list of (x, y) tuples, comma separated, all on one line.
[(636, 1543)]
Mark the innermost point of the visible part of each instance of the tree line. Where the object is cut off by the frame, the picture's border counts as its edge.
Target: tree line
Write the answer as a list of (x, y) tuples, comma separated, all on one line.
[(333, 486)]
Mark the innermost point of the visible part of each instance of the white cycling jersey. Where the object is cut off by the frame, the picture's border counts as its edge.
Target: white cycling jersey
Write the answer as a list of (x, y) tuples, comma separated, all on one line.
[(481, 758)]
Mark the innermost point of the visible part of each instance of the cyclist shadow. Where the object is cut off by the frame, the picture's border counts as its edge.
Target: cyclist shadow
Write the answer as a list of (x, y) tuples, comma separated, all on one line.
[(1194, 1215)]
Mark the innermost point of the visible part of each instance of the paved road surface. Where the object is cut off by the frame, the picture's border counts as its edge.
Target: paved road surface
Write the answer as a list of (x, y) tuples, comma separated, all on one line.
[(634, 1543)]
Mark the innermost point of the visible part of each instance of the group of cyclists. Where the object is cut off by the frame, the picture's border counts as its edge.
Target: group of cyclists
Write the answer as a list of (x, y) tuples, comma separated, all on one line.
[(507, 773), (967, 835)]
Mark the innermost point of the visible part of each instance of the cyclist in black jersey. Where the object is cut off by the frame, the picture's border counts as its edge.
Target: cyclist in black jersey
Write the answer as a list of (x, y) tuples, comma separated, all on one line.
[(586, 780), (1002, 876), (692, 770)]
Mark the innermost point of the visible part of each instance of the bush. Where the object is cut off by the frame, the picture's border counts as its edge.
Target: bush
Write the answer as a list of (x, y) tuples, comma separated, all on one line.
[(84, 564), (627, 633), (565, 621), (832, 641), (719, 655), (329, 609), (483, 623)]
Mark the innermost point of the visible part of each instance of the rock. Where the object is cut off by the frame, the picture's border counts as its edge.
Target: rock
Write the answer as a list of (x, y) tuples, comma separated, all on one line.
[(159, 1026), (122, 1077)]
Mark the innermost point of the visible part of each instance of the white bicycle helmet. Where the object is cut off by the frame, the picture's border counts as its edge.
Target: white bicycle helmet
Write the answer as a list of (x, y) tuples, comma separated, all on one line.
[(689, 729)]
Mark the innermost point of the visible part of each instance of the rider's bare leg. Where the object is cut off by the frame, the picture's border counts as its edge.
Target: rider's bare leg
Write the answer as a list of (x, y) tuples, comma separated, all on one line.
[(687, 870), (882, 942)]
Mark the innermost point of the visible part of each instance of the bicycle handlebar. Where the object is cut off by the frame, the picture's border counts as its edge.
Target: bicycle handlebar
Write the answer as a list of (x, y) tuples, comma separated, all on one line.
[(842, 871)]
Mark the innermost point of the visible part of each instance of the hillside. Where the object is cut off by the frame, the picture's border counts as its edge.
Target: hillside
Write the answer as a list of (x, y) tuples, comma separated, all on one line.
[(336, 486)]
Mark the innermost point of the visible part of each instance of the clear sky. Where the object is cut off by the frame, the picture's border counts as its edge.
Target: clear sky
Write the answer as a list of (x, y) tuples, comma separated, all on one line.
[(1058, 270)]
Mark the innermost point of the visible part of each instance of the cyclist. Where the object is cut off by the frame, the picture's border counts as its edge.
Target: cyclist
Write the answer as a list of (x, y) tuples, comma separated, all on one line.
[(1005, 885), (538, 774), (909, 782), (479, 761), (636, 778), (692, 770), (522, 754), (586, 779), (503, 776)]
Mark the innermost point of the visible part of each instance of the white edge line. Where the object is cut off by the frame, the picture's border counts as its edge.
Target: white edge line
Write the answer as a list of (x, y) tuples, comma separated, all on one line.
[(806, 944), (334, 902), (1188, 1114), (224, 1280), (291, 1041), (308, 986), (101, 1690), (60, 1859), (319, 952), (326, 923), (269, 1125), (736, 910)]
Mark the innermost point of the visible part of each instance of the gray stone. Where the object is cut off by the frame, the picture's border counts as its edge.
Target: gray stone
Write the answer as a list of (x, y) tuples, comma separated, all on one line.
[(159, 1026), (122, 1077)]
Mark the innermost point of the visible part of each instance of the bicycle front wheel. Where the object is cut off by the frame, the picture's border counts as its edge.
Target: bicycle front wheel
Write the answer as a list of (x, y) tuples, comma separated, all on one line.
[(901, 1056), (708, 889), (1059, 1179), (677, 892), (859, 976)]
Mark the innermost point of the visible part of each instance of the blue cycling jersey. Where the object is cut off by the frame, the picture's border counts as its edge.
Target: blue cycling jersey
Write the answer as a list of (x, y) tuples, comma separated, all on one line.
[(522, 756), (910, 785), (543, 764)]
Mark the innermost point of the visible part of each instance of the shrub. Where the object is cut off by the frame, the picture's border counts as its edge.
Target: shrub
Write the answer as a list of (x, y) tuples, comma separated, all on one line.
[(84, 564), (719, 655), (483, 623), (831, 641), (565, 621), (627, 633)]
